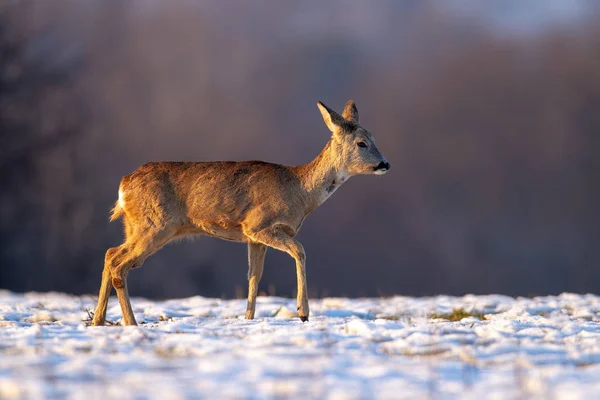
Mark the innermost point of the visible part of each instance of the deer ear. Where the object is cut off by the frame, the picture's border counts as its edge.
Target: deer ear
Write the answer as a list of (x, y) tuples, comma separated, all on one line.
[(333, 120), (351, 112)]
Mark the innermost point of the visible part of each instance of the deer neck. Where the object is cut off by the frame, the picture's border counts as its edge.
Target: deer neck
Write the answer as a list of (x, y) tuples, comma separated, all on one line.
[(322, 176)]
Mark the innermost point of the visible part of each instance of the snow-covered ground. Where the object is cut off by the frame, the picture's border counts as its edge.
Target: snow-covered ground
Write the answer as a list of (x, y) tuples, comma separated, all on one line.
[(389, 348)]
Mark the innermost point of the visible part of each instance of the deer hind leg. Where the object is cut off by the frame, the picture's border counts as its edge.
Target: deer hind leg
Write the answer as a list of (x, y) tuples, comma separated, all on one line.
[(137, 251), (277, 238), (105, 287), (256, 262)]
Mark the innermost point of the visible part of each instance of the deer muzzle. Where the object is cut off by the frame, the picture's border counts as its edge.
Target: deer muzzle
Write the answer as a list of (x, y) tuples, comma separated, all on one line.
[(382, 168)]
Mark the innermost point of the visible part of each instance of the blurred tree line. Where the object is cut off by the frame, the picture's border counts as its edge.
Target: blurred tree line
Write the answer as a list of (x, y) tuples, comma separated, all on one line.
[(491, 136)]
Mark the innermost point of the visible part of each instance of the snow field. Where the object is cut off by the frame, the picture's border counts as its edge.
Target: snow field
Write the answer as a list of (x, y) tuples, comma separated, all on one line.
[(385, 348)]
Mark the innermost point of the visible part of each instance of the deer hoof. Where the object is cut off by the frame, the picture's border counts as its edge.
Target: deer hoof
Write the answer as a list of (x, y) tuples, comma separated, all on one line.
[(304, 319)]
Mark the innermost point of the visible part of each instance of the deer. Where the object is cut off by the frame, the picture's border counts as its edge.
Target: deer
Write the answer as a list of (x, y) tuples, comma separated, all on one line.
[(254, 202)]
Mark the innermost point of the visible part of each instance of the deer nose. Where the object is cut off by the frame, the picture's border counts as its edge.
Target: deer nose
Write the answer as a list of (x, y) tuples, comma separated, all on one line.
[(384, 165)]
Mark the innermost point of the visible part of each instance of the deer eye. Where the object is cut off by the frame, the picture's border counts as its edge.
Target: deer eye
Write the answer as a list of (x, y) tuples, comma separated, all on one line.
[(362, 144)]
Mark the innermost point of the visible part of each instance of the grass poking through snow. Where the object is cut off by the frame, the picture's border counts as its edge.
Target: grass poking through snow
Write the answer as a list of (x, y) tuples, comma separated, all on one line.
[(458, 314)]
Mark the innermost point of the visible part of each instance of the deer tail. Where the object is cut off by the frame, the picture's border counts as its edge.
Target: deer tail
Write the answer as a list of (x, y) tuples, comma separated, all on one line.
[(117, 211)]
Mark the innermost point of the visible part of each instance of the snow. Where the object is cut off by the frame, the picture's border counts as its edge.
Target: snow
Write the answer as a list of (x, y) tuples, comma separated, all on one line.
[(387, 348)]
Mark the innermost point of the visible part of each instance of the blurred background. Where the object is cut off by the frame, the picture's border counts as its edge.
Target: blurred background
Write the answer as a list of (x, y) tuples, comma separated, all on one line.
[(489, 113)]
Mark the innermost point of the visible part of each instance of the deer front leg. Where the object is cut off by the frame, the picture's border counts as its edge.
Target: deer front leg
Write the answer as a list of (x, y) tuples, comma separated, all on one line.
[(277, 238), (256, 262)]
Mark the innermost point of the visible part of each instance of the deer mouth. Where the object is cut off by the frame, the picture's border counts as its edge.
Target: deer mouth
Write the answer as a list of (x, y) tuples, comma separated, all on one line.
[(381, 168)]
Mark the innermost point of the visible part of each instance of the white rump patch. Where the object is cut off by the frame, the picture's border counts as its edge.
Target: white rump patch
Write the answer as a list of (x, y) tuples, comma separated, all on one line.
[(121, 200)]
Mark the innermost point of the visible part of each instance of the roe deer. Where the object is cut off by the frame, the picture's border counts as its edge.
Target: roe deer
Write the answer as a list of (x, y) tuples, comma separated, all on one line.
[(255, 202)]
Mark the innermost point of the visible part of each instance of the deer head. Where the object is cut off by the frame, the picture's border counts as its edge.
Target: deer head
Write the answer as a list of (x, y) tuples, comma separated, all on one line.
[(352, 145)]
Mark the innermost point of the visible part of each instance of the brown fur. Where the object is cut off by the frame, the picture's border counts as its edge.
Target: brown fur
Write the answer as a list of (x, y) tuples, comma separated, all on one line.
[(255, 202)]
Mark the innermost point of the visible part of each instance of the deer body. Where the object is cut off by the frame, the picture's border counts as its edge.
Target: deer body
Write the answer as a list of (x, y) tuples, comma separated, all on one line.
[(255, 202)]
